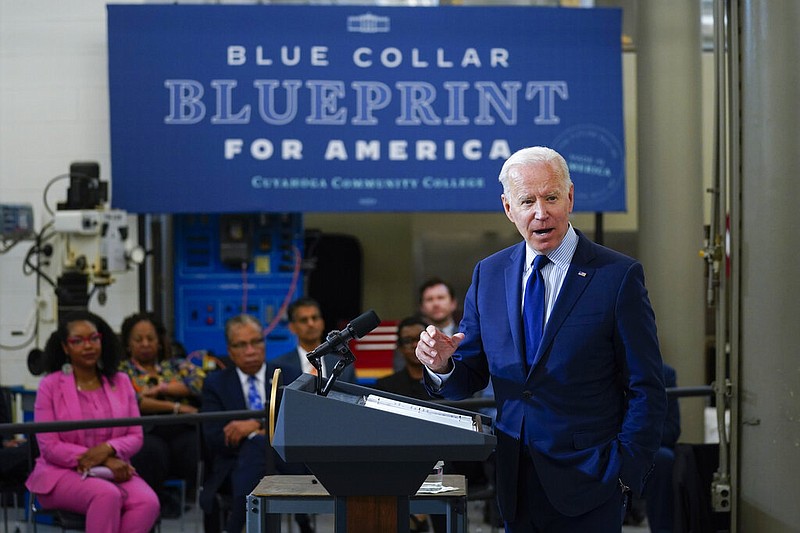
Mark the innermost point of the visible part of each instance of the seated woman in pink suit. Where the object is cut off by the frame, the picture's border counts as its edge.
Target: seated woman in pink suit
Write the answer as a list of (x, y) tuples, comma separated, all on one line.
[(81, 359)]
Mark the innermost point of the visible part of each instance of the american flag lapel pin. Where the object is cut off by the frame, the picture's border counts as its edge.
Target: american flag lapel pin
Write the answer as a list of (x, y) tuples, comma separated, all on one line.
[(582, 274)]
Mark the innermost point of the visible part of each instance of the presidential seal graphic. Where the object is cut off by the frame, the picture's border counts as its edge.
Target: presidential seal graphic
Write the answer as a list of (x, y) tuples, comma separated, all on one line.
[(596, 163)]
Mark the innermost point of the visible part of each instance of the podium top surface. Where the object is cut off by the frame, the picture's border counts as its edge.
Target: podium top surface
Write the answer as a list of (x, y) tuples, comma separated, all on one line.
[(311, 429), (309, 487)]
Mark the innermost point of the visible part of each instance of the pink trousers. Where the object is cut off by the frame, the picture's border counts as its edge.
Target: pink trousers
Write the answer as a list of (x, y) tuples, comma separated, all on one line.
[(129, 507)]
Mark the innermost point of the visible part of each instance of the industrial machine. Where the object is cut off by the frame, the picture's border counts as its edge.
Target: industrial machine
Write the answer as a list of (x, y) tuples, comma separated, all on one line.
[(77, 251)]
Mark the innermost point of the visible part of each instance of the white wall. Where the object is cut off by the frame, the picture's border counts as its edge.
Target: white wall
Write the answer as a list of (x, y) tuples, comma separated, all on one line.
[(53, 111)]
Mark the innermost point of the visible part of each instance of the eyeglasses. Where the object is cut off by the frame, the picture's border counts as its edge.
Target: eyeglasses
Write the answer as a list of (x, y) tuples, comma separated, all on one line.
[(242, 345), (77, 340)]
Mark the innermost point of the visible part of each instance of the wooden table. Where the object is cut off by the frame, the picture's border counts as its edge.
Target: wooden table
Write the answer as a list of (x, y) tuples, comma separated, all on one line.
[(276, 495)]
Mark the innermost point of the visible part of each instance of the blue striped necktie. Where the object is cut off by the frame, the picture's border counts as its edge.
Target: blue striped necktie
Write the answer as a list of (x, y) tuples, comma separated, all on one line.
[(533, 309), (253, 397)]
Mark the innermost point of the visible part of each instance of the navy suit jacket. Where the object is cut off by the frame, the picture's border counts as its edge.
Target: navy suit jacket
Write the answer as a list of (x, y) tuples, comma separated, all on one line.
[(591, 409), (222, 391), (289, 363)]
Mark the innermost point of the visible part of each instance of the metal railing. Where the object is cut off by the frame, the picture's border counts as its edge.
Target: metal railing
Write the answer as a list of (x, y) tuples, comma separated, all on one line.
[(469, 404)]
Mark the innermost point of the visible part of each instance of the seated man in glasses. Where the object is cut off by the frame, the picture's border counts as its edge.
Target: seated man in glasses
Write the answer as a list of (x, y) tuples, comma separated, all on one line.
[(238, 449)]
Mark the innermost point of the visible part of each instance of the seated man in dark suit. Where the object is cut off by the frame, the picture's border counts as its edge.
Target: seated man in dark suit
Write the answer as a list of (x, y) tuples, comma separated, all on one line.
[(408, 380), (305, 321), (239, 449), (658, 491), (657, 500)]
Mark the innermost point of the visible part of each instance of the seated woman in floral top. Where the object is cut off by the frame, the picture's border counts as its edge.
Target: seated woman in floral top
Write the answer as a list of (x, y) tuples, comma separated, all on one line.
[(163, 385)]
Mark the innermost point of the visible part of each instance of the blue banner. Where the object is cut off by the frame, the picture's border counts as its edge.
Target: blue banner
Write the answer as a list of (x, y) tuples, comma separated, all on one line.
[(286, 108)]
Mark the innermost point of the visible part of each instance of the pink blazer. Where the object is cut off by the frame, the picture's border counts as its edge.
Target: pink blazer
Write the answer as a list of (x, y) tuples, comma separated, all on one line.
[(57, 400)]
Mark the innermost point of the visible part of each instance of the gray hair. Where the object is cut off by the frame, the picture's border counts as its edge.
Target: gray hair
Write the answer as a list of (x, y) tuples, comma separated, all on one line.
[(532, 155), (240, 320)]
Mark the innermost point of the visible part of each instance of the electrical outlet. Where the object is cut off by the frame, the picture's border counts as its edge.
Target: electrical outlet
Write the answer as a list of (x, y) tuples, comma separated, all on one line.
[(721, 497)]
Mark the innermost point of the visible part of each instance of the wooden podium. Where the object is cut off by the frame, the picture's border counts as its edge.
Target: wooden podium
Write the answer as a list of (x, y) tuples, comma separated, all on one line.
[(370, 460)]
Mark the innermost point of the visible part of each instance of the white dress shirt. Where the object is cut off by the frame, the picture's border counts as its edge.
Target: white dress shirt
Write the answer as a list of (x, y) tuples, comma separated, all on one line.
[(553, 272), (305, 364)]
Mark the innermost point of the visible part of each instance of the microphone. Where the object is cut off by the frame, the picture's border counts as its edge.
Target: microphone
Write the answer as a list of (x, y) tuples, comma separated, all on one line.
[(356, 329)]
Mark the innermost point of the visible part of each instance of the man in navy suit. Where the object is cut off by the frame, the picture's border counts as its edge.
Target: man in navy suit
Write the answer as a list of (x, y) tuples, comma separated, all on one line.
[(306, 322), (239, 449), (579, 410)]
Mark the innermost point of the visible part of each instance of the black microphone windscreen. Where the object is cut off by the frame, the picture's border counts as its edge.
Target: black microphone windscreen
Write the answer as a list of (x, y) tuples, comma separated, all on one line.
[(365, 323)]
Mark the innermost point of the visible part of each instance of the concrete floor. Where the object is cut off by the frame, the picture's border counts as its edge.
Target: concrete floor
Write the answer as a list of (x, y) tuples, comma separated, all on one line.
[(192, 523)]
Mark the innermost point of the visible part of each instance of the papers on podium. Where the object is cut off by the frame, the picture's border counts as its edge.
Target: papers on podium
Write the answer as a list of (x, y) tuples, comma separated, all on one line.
[(439, 416)]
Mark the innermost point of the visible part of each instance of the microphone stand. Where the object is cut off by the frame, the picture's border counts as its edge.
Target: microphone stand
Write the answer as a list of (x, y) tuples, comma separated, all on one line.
[(316, 362), (346, 357)]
